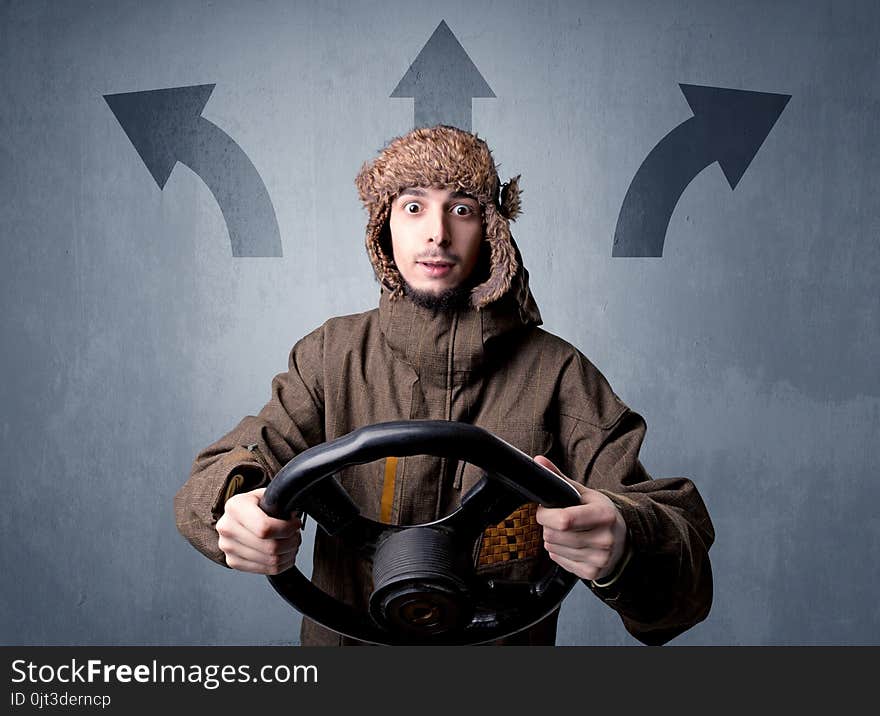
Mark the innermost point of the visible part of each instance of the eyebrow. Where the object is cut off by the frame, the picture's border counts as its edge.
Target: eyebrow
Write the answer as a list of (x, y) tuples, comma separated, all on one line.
[(416, 191)]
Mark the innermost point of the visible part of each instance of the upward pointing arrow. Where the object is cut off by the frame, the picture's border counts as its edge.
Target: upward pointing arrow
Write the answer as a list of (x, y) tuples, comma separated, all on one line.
[(166, 126), (442, 80), (729, 126)]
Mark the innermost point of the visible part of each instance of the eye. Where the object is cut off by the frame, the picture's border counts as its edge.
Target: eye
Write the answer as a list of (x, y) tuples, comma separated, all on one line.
[(468, 210), (409, 204)]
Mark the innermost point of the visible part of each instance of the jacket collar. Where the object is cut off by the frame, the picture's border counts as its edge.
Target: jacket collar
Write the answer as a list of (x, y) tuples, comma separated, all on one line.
[(435, 343)]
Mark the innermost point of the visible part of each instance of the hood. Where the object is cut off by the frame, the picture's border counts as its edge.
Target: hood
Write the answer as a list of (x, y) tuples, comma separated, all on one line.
[(445, 157)]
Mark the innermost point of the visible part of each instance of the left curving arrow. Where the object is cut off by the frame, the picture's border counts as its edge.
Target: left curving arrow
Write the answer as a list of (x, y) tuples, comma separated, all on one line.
[(166, 126)]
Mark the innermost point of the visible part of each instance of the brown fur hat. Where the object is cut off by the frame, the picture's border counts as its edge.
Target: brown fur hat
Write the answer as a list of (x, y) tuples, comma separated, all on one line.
[(449, 158)]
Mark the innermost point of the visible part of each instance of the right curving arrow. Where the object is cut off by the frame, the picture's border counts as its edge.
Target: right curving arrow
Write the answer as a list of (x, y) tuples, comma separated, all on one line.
[(729, 126)]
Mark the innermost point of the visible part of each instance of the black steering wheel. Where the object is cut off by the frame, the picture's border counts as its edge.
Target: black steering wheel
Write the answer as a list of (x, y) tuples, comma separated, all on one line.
[(425, 588)]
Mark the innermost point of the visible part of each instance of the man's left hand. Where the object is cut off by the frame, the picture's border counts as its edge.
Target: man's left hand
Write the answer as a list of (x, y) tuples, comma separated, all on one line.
[(588, 539)]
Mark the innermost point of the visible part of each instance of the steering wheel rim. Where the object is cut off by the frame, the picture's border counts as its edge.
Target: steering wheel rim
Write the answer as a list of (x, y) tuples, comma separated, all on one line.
[(512, 478)]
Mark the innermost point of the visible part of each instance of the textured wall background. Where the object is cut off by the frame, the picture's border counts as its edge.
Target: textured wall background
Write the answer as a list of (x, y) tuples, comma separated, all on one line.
[(133, 337)]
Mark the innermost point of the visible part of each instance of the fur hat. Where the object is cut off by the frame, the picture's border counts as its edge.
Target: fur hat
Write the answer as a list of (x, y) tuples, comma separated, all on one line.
[(450, 158)]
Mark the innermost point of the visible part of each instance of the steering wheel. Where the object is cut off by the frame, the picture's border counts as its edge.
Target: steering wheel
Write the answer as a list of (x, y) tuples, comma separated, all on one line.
[(425, 588)]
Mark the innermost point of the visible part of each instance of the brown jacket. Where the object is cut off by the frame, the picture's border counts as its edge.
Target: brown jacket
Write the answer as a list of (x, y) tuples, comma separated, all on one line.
[(493, 368)]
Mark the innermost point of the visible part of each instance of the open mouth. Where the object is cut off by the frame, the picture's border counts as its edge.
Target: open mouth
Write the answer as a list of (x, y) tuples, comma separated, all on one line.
[(436, 268)]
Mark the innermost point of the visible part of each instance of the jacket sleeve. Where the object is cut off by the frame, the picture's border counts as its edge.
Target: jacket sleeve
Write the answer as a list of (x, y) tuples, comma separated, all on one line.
[(666, 587), (252, 453)]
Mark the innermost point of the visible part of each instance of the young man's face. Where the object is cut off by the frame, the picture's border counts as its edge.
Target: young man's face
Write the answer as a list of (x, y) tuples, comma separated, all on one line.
[(435, 236)]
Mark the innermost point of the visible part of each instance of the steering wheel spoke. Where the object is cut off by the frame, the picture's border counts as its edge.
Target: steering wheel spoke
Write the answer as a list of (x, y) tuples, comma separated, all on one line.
[(328, 503), (486, 503)]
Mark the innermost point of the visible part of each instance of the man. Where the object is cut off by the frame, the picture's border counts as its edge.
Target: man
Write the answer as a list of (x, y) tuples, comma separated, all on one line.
[(456, 337)]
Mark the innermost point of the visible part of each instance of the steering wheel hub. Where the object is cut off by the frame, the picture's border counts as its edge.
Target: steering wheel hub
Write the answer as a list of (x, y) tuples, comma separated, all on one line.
[(417, 587)]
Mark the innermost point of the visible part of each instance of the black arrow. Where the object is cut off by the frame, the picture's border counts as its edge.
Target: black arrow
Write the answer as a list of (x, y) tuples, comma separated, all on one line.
[(165, 126), (442, 80), (729, 126)]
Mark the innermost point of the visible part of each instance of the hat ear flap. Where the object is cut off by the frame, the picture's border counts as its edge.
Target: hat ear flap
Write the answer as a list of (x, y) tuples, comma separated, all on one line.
[(379, 250), (502, 260), (509, 198)]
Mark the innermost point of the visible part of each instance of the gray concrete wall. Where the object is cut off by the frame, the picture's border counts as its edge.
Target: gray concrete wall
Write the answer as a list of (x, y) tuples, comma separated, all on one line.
[(133, 337)]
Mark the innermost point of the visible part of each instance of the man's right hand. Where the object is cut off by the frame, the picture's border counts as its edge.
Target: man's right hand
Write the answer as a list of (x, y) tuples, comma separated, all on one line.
[(254, 542)]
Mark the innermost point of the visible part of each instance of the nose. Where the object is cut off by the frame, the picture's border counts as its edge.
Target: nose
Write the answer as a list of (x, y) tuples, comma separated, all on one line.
[(438, 231)]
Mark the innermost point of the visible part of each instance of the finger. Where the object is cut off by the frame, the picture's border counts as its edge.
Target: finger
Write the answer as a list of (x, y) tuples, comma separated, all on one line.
[(258, 495), (554, 517), (263, 527), (245, 509), (601, 538), (584, 571), (266, 551), (577, 517), (248, 514), (274, 562), (598, 558), (543, 461), (244, 565), (233, 532), (236, 533)]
